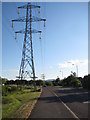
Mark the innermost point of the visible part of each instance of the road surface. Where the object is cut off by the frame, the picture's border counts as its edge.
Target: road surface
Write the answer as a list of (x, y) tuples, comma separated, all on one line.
[(56, 102)]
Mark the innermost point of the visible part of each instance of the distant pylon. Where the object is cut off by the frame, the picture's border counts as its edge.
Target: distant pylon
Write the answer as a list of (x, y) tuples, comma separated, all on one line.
[(43, 76), (27, 62)]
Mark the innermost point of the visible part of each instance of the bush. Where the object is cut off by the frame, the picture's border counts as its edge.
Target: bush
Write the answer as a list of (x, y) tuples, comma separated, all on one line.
[(6, 89), (27, 87), (76, 83), (13, 88), (39, 90), (86, 82), (3, 90), (9, 89), (39, 82), (7, 100), (71, 81), (49, 83), (57, 82)]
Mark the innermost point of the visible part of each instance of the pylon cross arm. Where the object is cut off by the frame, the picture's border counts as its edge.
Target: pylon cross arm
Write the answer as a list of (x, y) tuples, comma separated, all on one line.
[(33, 19), (29, 6), (28, 31)]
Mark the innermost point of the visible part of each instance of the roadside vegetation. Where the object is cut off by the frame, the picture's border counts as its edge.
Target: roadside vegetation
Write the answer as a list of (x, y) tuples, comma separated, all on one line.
[(86, 82), (73, 81), (20, 95), (12, 102), (18, 102)]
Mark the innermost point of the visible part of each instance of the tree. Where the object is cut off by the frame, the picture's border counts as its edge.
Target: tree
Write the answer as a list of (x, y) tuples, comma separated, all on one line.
[(49, 83), (71, 80), (73, 73), (57, 81), (39, 82), (86, 81), (4, 80)]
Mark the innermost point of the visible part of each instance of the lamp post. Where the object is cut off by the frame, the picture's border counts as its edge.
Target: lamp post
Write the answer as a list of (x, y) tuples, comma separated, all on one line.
[(76, 68)]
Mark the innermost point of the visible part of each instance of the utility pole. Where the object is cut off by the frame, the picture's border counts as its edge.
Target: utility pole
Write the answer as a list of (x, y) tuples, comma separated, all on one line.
[(27, 61)]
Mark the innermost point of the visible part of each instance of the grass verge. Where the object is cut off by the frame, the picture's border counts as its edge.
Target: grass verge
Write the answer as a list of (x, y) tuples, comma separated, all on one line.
[(19, 105)]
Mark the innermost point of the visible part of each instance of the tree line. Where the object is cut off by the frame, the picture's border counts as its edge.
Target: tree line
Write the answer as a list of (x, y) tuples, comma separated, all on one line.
[(70, 81)]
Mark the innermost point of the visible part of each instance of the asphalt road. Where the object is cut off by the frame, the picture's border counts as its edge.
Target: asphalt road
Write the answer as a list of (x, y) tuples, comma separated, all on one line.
[(56, 102)]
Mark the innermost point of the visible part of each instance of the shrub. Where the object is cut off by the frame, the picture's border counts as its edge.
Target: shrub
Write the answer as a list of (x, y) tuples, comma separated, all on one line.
[(57, 82), (39, 90), (49, 83), (71, 81), (7, 100), (13, 88), (4, 90), (86, 82), (27, 87), (39, 82)]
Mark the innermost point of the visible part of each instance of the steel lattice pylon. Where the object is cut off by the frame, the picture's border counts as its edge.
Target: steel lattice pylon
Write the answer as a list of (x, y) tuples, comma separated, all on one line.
[(27, 52)]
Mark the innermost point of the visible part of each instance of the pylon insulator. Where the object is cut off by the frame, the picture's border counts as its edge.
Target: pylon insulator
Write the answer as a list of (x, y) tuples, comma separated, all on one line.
[(44, 24), (15, 36), (18, 10), (12, 24), (40, 35), (39, 10)]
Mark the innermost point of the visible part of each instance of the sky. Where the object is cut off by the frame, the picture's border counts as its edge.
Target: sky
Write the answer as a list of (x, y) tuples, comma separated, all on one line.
[(64, 44)]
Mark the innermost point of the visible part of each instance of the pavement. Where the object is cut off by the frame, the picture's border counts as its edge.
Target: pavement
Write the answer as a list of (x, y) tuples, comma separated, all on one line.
[(56, 102)]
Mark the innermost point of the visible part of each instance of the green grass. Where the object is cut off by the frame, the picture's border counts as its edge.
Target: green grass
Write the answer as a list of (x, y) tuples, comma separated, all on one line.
[(13, 101)]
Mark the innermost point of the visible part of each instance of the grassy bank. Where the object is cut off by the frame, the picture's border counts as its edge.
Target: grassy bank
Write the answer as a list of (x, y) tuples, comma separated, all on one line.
[(18, 104)]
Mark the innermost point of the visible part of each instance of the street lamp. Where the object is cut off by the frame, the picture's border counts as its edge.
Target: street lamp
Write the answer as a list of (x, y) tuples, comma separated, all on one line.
[(76, 68)]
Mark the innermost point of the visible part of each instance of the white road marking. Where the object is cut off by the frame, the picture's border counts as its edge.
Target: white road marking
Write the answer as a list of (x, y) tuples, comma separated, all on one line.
[(66, 106), (86, 102)]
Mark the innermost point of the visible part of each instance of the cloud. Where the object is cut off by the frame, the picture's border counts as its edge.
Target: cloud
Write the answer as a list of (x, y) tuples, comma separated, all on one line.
[(64, 65), (70, 63)]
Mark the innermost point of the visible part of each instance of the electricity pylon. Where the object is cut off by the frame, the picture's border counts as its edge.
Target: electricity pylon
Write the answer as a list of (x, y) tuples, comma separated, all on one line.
[(43, 77), (27, 51)]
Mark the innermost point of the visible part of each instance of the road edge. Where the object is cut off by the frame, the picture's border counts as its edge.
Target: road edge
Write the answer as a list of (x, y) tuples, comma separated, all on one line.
[(33, 105)]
